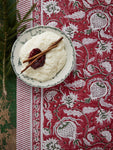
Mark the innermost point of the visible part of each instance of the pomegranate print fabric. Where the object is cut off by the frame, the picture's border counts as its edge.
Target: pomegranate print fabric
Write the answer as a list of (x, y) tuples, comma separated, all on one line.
[(78, 113)]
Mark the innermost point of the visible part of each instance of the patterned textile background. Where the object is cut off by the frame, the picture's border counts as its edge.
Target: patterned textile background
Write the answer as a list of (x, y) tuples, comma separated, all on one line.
[(78, 114)]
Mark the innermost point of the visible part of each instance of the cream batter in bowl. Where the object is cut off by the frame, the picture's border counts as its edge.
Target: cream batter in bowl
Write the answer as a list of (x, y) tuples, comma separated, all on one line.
[(58, 62), (54, 61)]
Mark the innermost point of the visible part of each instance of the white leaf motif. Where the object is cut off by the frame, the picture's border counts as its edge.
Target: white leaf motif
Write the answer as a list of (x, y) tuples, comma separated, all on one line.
[(86, 73), (86, 142), (107, 66), (104, 103), (90, 1), (108, 1), (76, 44), (76, 15), (48, 115), (107, 135), (86, 4), (87, 41), (91, 59), (50, 95), (87, 110), (90, 137), (52, 24), (92, 128), (77, 84), (107, 36), (97, 148), (73, 112)]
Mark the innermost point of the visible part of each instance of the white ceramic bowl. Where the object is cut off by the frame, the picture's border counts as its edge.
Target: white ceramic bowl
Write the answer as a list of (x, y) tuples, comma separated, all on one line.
[(28, 34)]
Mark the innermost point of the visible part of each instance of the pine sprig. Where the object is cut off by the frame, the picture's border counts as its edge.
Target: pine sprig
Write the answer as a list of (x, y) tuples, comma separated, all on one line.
[(11, 24)]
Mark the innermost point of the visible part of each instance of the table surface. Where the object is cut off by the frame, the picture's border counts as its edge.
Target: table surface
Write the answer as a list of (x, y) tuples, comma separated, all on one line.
[(8, 116)]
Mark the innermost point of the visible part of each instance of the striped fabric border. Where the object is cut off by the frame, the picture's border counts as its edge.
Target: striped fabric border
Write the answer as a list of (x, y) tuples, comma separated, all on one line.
[(24, 116), (23, 6), (24, 140), (24, 99), (36, 118)]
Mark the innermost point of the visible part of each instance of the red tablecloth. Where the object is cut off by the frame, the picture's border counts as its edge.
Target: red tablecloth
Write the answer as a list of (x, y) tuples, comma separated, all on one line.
[(78, 113)]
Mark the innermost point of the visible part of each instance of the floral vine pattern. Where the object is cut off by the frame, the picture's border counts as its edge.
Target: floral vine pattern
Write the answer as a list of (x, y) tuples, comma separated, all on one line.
[(78, 113)]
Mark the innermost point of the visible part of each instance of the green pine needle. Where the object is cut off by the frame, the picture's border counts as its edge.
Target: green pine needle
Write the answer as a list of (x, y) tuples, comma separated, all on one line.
[(10, 27)]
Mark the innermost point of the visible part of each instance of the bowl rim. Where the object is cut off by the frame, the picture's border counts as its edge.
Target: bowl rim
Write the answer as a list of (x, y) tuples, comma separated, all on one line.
[(48, 85)]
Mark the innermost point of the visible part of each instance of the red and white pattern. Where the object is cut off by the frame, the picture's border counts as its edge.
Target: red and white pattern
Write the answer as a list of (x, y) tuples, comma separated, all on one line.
[(36, 118), (78, 113), (24, 116), (23, 8)]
